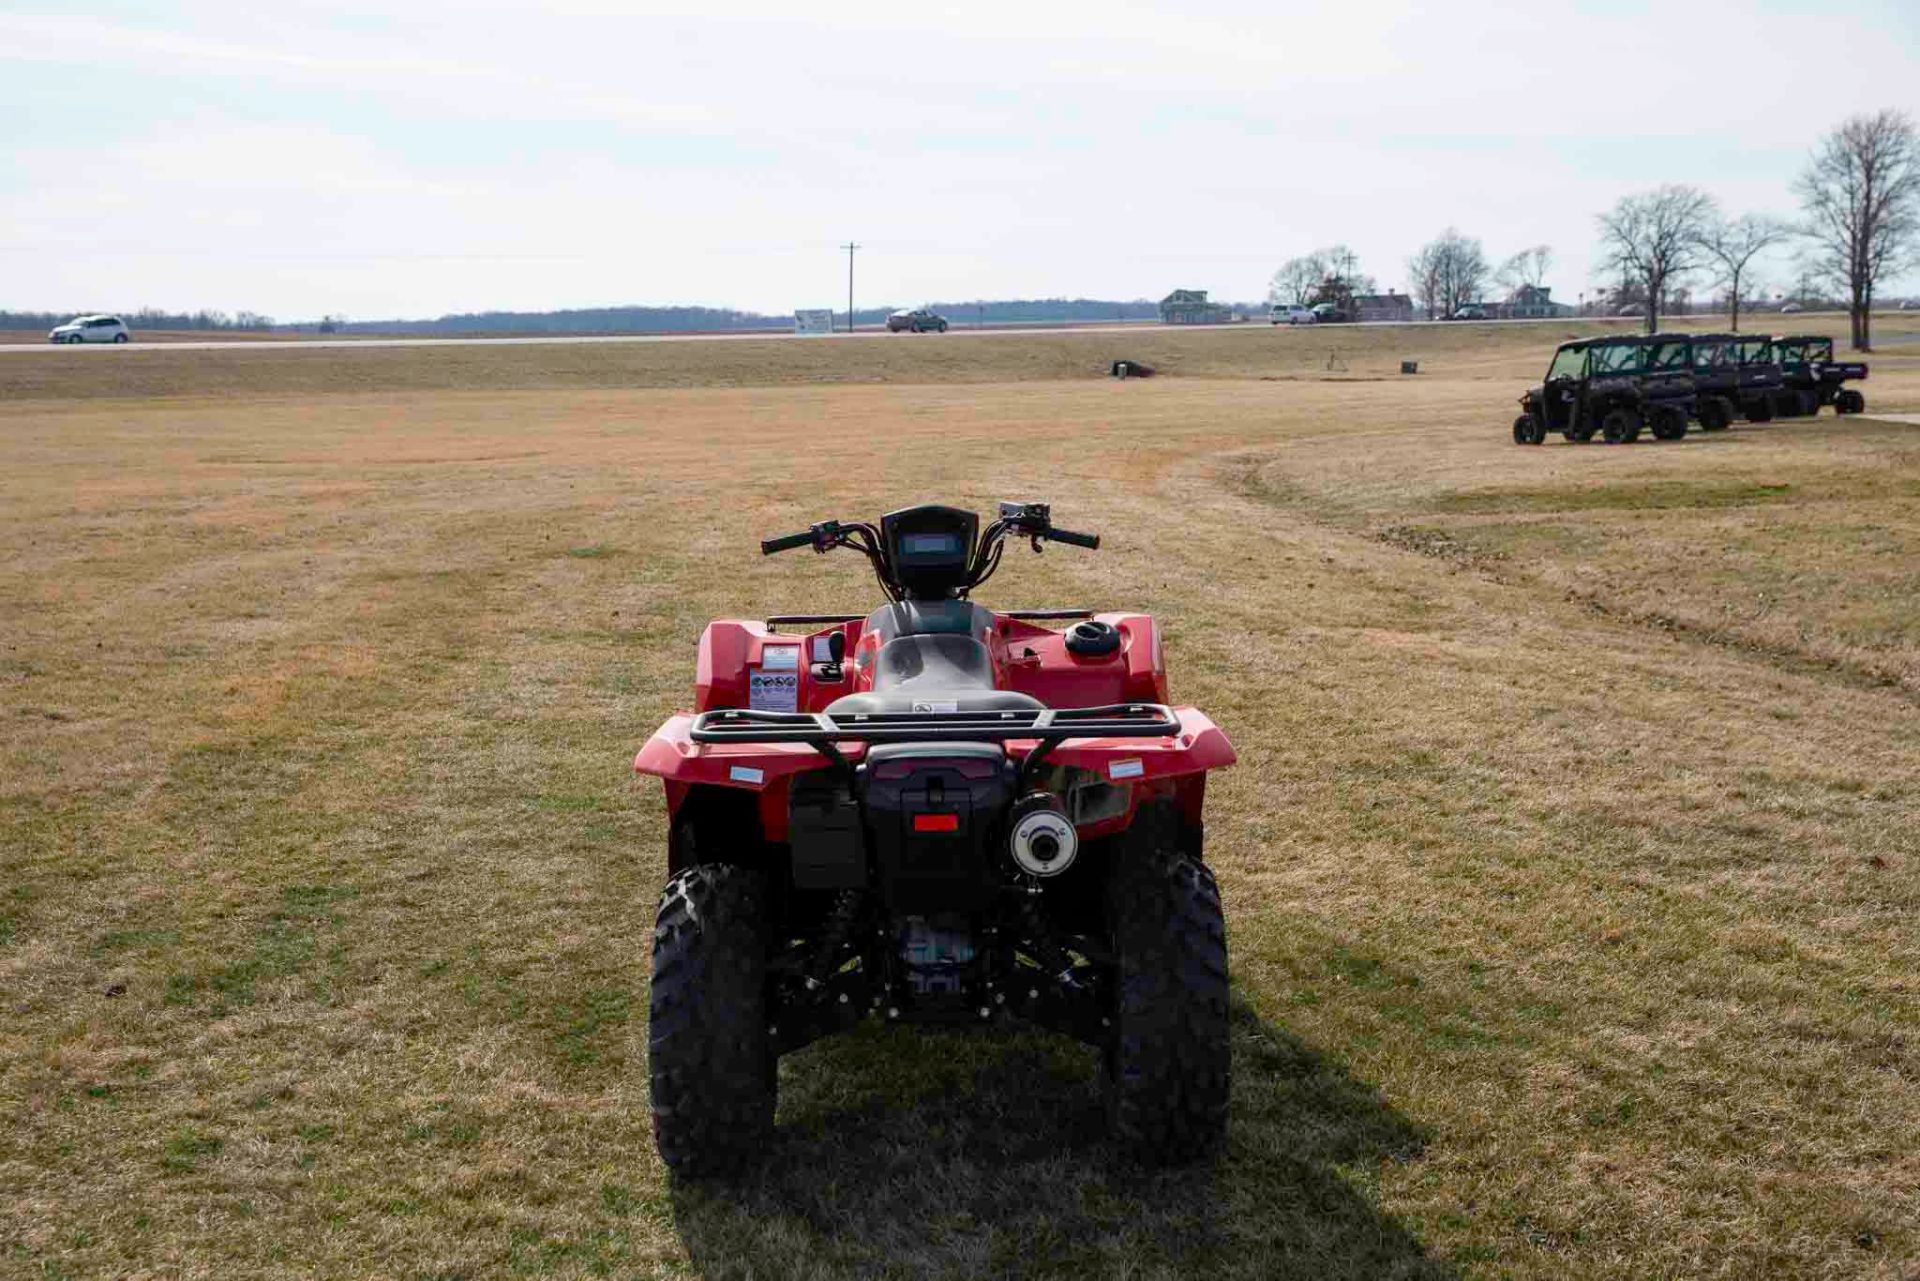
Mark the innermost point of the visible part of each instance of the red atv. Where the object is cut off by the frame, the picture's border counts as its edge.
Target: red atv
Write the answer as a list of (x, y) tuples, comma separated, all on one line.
[(936, 814)]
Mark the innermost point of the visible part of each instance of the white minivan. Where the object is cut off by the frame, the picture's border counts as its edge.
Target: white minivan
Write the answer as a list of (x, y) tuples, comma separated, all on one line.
[(90, 329), (1283, 314)]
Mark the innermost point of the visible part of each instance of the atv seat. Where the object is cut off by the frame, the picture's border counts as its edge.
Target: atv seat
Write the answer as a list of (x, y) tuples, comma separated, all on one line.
[(940, 672)]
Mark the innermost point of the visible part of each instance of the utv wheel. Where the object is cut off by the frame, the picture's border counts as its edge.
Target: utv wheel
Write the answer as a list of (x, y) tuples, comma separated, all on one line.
[(1849, 401), (1167, 1067), (1715, 414), (1620, 427), (711, 1058), (1527, 432), (1760, 410), (1668, 423), (1580, 435)]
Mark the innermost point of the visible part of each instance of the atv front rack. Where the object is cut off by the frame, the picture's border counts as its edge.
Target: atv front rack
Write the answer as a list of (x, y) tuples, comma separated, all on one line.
[(1049, 725)]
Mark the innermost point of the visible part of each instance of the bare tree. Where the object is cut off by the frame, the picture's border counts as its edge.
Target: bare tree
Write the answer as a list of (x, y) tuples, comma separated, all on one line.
[(1861, 193), (1526, 269), (1733, 247), (1657, 238), (1297, 279), (1424, 273), (1448, 272)]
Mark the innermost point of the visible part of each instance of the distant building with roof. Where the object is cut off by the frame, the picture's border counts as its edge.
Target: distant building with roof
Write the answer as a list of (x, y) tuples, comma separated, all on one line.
[(1530, 302), (1389, 306), (1190, 307)]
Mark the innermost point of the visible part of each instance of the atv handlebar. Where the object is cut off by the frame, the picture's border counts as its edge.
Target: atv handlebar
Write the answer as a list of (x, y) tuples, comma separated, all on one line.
[(1032, 521), (1089, 541), (768, 546)]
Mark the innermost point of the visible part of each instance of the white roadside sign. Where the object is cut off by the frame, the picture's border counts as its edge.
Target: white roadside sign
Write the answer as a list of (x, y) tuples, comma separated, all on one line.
[(813, 321)]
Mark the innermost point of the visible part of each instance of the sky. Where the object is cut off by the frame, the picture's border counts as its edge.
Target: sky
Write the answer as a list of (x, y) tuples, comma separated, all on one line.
[(411, 160)]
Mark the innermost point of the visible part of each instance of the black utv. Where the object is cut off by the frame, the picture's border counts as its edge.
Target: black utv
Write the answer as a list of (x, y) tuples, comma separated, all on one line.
[(1734, 375), (1812, 377), (1615, 387)]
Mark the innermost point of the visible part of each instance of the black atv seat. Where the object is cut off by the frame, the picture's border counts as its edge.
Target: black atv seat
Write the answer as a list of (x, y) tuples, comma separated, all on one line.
[(943, 672)]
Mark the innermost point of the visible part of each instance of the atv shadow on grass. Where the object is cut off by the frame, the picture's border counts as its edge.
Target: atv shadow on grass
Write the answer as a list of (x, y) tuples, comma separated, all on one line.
[(917, 1154)]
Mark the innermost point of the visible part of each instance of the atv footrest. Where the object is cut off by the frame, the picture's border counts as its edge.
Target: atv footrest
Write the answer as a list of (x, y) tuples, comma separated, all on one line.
[(1116, 720)]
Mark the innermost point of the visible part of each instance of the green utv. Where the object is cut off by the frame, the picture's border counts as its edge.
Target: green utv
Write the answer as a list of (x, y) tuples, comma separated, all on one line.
[(1734, 375), (1812, 377), (1616, 387)]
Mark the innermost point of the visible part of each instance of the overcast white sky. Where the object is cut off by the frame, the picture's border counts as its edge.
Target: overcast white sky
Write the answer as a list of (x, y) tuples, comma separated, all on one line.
[(299, 158)]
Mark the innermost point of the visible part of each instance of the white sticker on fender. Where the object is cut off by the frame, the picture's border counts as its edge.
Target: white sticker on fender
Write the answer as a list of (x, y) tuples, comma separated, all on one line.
[(780, 658), (773, 691), (747, 774), (1133, 767)]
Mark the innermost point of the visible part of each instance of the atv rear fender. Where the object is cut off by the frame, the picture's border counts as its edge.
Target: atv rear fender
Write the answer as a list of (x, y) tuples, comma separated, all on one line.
[(761, 772)]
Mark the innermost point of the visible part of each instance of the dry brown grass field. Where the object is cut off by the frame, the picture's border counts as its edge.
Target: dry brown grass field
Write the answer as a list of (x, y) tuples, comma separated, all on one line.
[(1570, 862)]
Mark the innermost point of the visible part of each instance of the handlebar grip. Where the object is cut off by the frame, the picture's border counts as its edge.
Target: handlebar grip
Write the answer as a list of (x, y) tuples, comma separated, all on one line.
[(1089, 541), (768, 546)]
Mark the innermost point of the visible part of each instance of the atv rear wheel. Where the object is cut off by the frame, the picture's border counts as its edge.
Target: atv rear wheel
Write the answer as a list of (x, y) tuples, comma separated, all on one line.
[(710, 1054), (1168, 1064), (1620, 427), (1715, 413)]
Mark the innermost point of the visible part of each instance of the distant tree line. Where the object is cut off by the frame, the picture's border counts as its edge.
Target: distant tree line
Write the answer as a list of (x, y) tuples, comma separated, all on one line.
[(637, 319), (145, 318), (1860, 201), (1860, 226)]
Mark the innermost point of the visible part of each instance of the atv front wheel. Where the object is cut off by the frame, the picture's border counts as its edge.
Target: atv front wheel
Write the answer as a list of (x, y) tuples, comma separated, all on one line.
[(711, 1058), (1167, 1066)]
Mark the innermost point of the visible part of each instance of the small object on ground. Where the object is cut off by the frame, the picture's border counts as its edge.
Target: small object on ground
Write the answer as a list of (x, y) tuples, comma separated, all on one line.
[(1130, 369), (937, 814), (1409, 366)]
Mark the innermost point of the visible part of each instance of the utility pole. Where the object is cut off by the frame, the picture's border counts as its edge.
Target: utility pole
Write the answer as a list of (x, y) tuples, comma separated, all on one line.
[(849, 247)]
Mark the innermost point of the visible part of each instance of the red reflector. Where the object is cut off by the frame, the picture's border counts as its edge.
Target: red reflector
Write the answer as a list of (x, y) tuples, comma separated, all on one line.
[(936, 822)]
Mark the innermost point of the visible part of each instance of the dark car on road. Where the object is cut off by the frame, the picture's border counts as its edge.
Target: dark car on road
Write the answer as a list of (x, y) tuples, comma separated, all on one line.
[(919, 320)]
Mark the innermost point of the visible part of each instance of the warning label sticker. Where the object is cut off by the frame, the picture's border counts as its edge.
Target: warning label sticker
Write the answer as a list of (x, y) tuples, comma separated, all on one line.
[(773, 691)]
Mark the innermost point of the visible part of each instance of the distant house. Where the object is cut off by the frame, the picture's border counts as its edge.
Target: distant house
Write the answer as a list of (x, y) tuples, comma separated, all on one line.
[(1388, 307), (1190, 307), (1531, 302)]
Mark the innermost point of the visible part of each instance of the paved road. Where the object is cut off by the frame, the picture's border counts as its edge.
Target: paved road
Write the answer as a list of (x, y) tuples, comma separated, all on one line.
[(534, 340)]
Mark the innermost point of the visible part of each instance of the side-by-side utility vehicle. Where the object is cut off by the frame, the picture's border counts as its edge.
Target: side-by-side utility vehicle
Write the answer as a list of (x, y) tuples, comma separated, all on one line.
[(1814, 378), (1616, 387), (1734, 375), (935, 813)]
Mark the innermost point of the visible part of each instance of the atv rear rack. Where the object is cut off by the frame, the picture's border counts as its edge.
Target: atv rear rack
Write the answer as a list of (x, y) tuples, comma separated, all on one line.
[(1049, 725)]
